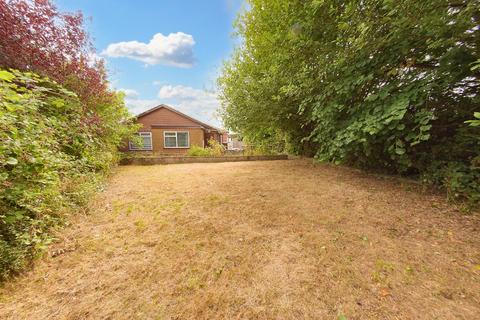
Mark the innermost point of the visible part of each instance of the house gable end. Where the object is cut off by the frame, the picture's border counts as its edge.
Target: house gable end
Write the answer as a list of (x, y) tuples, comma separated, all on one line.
[(163, 116)]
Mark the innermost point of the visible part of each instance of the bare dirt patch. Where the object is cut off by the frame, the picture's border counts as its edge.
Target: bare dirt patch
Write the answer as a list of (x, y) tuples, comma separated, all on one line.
[(257, 240)]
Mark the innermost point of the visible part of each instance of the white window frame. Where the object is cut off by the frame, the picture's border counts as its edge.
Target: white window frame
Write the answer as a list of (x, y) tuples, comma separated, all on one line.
[(133, 147), (176, 139)]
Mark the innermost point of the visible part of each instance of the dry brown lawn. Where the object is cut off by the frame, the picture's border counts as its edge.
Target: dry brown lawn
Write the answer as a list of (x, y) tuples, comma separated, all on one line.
[(257, 240)]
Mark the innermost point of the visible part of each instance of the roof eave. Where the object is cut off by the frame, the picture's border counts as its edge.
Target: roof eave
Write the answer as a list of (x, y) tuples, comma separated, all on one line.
[(206, 126)]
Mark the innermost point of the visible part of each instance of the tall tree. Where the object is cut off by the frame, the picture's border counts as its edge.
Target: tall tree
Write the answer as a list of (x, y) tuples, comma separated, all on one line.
[(379, 84)]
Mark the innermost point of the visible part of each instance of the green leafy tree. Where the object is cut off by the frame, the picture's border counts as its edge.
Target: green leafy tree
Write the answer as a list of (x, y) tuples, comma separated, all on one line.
[(379, 84)]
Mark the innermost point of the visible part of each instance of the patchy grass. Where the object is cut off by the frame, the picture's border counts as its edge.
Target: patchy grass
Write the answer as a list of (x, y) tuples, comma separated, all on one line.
[(257, 240)]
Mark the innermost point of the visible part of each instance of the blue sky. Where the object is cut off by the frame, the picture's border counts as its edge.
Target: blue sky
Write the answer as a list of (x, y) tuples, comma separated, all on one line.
[(165, 51)]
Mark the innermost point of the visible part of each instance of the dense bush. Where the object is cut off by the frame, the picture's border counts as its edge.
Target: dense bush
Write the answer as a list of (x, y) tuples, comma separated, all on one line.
[(60, 124), (50, 160), (214, 149), (197, 151), (379, 84)]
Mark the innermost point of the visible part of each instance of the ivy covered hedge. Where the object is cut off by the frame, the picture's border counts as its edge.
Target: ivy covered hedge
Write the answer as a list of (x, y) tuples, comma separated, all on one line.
[(52, 157), (379, 84)]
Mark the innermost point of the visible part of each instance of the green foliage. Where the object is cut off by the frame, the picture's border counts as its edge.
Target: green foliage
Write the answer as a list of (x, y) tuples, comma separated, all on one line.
[(262, 149), (196, 151), (459, 179), (270, 144), (51, 160), (380, 84), (475, 122), (214, 149)]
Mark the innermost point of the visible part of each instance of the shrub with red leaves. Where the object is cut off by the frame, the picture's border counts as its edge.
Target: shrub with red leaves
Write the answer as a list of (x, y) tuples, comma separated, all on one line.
[(35, 36)]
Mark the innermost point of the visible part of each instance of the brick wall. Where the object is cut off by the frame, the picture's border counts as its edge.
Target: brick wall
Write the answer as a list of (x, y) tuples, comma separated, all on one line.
[(196, 138)]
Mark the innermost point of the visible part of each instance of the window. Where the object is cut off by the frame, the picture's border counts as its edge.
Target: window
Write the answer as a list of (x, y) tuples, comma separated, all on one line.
[(176, 139), (146, 138)]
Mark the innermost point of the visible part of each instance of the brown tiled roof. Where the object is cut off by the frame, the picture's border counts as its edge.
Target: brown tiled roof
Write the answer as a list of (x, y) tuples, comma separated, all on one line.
[(206, 126)]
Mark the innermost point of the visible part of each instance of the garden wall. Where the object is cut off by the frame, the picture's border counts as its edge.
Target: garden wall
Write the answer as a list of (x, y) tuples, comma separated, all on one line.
[(186, 159)]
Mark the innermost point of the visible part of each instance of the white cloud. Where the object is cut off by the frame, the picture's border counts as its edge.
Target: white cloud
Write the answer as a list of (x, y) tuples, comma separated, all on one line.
[(182, 92), (198, 103), (137, 106), (129, 93), (176, 49)]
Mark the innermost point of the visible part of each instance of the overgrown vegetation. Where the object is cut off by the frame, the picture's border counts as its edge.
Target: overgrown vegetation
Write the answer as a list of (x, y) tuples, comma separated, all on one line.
[(381, 84), (197, 151), (214, 149), (260, 149), (57, 139), (50, 160)]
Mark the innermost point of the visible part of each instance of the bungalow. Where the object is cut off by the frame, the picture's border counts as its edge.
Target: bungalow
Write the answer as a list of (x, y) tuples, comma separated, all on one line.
[(168, 131)]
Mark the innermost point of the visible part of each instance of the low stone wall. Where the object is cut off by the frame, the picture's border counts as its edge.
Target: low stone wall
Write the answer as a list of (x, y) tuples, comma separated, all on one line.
[(187, 159)]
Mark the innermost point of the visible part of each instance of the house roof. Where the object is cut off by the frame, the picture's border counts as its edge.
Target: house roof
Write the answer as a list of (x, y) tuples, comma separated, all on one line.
[(202, 124)]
